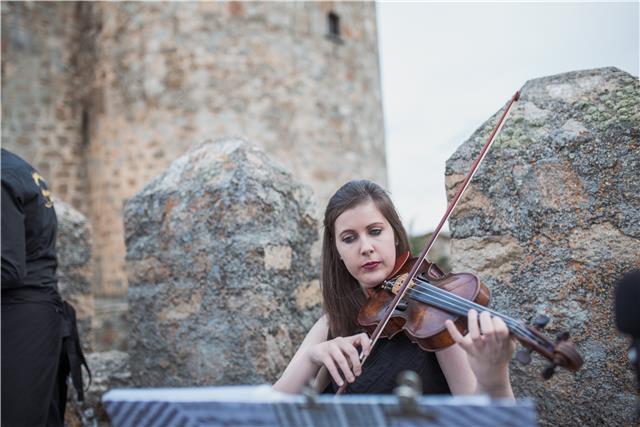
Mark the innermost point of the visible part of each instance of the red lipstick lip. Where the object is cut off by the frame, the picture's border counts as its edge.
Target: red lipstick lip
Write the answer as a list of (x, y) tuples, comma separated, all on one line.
[(371, 264)]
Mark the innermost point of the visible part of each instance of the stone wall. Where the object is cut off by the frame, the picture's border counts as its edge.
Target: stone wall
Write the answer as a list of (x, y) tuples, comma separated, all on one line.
[(551, 221), (223, 269), (103, 96), (41, 101)]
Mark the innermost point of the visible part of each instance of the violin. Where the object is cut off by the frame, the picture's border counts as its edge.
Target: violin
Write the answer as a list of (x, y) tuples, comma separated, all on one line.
[(435, 297), (418, 301)]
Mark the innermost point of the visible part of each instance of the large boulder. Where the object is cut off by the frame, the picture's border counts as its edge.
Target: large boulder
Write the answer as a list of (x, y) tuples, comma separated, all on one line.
[(75, 270), (223, 269), (551, 221)]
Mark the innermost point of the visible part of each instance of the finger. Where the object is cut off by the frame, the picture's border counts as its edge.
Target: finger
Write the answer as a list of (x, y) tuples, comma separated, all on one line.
[(502, 331), (341, 361), (333, 370), (351, 352), (455, 334), (486, 324), (365, 343), (474, 330)]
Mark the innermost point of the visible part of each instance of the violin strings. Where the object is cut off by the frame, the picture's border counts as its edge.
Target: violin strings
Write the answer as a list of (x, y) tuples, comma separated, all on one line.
[(459, 305), (458, 309), (456, 298), (464, 305)]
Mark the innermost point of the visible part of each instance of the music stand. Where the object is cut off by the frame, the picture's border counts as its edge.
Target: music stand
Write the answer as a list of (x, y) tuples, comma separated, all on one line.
[(253, 406)]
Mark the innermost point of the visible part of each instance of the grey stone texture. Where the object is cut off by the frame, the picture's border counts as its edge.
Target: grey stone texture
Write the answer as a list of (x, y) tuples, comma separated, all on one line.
[(73, 247), (103, 96), (222, 263), (550, 222)]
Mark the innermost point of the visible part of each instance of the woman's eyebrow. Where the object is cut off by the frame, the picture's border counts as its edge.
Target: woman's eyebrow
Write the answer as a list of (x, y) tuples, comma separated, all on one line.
[(347, 230)]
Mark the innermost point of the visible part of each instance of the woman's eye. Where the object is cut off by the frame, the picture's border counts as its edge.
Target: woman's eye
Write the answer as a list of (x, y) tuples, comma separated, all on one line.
[(376, 231), (348, 239)]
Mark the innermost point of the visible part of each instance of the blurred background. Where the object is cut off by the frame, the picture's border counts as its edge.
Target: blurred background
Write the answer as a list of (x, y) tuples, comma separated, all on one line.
[(102, 97)]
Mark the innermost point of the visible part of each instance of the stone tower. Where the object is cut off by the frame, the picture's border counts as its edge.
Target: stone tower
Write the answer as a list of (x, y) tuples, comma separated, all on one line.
[(101, 97)]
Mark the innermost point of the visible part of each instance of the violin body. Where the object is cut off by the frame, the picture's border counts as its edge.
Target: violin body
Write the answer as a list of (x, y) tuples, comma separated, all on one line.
[(423, 324)]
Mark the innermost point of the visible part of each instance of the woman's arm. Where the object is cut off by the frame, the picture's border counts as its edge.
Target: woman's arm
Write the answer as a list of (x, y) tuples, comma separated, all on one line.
[(339, 355), (479, 362)]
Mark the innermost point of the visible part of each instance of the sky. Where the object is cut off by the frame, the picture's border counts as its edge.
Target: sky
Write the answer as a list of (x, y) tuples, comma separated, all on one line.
[(447, 67)]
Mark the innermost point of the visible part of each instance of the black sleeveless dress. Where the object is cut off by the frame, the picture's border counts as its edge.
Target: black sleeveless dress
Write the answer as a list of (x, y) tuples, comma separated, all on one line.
[(388, 359)]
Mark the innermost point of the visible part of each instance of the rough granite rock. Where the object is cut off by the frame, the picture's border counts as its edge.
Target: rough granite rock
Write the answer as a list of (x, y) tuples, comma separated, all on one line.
[(550, 222), (73, 248), (223, 272)]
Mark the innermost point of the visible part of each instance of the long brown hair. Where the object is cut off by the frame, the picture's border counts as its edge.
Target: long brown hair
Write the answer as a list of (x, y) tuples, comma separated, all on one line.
[(341, 292)]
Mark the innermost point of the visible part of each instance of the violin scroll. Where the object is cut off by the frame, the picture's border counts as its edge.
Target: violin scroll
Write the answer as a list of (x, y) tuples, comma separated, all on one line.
[(562, 353)]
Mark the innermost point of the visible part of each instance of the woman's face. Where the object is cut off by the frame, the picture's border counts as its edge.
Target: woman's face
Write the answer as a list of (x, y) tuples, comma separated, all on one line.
[(366, 244)]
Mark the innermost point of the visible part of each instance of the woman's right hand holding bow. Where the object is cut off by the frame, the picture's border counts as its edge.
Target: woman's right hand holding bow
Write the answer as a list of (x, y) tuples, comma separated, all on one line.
[(341, 356)]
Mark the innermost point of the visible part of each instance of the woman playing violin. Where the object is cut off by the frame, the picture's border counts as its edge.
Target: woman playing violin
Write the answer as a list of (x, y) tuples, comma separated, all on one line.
[(363, 235)]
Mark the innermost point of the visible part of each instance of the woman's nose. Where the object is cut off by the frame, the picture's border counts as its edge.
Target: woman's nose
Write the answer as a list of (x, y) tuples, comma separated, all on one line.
[(366, 247)]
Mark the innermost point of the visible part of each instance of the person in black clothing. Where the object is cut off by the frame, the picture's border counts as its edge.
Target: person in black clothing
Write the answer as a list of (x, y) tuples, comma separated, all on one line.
[(363, 236), (38, 328)]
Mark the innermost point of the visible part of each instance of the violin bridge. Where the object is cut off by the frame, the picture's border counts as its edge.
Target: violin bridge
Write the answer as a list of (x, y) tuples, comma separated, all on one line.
[(398, 281)]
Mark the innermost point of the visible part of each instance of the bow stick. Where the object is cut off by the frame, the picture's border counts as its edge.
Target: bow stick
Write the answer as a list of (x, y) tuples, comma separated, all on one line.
[(405, 285)]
